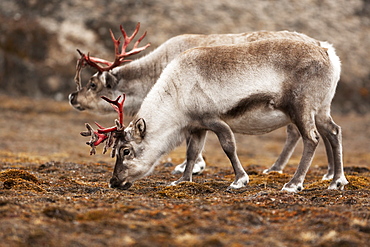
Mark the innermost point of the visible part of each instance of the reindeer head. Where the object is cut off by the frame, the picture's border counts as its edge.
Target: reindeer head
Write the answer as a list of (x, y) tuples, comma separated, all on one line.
[(104, 81), (130, 149), (126, 145)]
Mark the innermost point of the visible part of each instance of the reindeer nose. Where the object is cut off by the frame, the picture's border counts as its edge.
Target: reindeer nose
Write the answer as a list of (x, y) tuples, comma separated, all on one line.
[(73, 101), (72, 98), (114, 183)]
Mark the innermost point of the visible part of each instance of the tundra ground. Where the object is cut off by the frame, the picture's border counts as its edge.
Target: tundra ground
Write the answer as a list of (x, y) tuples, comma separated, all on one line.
[(52, 193)]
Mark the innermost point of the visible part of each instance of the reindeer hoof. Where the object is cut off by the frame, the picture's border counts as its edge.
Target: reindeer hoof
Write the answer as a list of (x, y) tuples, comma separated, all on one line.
[(197, 169), (240, 183), (327, 176), (179, 181), (338, 184), (179, 169), (292, 187), (266, 171), (174, 183)]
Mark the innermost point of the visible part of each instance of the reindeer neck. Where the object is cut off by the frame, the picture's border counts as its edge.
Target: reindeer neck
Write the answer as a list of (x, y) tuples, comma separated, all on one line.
[(165, 124), (147, 69), (138, 77)]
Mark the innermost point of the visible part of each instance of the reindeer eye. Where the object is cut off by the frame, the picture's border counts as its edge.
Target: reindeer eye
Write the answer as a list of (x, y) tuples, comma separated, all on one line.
[(92, 85), (126, 151)]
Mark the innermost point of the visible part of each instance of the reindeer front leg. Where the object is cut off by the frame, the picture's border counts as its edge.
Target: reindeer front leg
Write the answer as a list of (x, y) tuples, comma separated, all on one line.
[(227, 141), (195, 144), (199, 165)]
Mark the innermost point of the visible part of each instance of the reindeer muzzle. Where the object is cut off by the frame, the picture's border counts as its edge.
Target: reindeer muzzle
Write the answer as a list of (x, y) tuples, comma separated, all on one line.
[(73, 101), (114, 183)]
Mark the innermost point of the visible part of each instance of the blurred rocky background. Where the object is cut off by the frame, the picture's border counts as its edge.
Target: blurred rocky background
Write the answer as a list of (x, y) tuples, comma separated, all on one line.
[(38, 38)]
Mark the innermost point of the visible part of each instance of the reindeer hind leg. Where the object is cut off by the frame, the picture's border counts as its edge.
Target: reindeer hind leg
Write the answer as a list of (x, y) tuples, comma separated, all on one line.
[(305, 122), (329, 152), (333, 133), (293, 137)]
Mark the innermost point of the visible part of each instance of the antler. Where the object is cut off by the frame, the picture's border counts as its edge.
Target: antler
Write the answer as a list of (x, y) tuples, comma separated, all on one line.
[(110, 134), (119, 56)]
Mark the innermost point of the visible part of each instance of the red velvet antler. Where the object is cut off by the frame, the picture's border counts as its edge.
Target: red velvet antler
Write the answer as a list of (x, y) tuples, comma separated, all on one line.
[(102, 134), (119, 56)]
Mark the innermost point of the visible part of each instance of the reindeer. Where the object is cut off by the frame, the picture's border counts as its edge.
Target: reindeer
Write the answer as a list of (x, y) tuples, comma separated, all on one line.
[(136, 78), (252, 88)]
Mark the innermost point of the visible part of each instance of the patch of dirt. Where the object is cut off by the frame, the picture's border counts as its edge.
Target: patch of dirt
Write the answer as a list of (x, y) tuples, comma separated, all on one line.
[(53, 193)]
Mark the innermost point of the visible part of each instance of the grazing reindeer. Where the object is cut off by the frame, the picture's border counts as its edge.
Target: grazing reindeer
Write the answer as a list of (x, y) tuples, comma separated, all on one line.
[(135, 79), (251, 89)]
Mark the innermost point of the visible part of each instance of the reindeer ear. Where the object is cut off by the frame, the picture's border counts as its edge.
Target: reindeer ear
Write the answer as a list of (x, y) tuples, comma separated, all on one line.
[(109, 80), (140, 128)]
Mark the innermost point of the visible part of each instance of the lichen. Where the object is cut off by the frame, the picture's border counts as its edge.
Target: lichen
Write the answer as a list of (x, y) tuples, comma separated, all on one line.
[(21, 184), (18, 174), (185, 190)]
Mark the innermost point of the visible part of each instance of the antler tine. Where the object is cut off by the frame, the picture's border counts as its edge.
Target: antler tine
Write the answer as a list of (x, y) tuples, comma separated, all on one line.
[(81, 63), (116, 42), (117, 105), (92, 61), (128, 40), (109, 142), (96, 138), (79, 66), (98, 60), (119, 56), (102, 133)]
